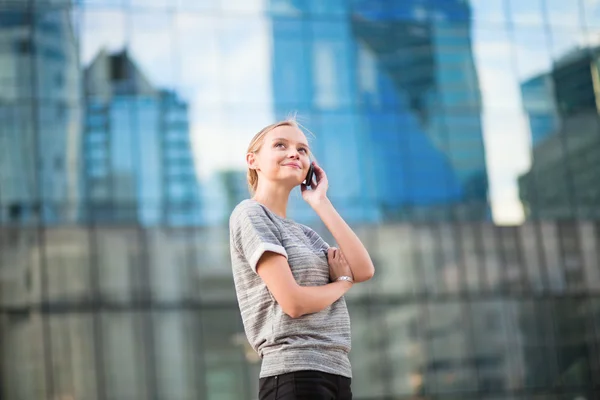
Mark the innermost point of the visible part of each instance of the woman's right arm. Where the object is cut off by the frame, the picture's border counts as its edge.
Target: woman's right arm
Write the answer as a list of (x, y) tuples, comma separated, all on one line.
[(296, 300)]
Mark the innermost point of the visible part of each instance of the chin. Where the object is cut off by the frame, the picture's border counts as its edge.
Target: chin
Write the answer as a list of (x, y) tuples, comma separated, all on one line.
[(291, 181)]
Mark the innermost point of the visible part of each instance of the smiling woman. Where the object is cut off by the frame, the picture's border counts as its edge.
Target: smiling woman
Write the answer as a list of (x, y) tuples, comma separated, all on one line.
[(293, 138), (289, 282)]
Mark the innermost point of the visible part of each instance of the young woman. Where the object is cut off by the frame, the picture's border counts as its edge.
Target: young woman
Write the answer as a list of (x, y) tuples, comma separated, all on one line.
[(289, 282)]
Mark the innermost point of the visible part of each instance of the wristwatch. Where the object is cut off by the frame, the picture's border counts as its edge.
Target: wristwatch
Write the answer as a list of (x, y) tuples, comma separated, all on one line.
[(345, 278)]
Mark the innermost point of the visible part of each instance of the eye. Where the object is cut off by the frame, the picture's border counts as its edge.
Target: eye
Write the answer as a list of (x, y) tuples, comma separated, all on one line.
[(279, 144), (303, 150)]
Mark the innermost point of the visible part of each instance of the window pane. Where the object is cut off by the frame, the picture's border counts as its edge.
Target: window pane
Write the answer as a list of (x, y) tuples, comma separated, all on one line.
[(488, 11), (369, 356), (447, 368), (565, 13), (126, 371), (23, 349), (526, 12)]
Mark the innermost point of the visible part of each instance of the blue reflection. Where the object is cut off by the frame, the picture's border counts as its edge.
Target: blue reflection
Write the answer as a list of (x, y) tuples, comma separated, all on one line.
[(12, 18), (139, 166), (541, 110), (395, 87), (39, 101), (391, 92), (382, 10)]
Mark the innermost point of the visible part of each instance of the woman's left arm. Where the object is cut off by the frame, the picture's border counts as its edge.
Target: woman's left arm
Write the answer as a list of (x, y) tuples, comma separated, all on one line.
[(354, 251), (351, 246)]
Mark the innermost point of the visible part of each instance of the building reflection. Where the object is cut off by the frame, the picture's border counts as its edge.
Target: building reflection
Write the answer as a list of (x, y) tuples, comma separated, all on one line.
[(422, 49), (398, 94), (138, 158), (565, 128), (115, 278), (450, 312), (41, 117)]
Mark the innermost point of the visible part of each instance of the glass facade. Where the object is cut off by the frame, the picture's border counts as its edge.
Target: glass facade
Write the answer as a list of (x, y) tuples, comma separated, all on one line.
[(562, 181), (461, 140), (138, 164)]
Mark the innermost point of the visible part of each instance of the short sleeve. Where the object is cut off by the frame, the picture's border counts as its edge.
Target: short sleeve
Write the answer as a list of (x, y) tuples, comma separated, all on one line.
[(253, 233)]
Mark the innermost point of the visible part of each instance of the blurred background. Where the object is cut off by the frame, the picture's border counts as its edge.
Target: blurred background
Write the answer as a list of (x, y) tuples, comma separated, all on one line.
[(461, 140)]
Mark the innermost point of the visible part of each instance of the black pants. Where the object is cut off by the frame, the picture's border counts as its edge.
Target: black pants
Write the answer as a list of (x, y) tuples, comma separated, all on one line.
[(305, 385)]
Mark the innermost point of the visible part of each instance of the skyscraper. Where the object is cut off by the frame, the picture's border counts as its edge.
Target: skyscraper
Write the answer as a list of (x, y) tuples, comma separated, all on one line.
[(138, 161), (562, 180), (40, 114), (394, 101), (421, 51)]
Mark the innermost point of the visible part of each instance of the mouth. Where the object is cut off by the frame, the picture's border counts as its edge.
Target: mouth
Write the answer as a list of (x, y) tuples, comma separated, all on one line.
[(297, 166)]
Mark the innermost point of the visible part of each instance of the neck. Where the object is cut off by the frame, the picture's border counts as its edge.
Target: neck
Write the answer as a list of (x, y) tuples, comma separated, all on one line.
[(275, 199)]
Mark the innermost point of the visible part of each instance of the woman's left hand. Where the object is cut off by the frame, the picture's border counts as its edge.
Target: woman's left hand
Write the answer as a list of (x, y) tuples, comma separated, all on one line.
[(317, 192)]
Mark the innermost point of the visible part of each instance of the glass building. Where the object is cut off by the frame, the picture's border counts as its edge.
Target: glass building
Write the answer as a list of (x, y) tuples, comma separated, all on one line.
[(40, 89), (138, 165), (562, 182), (461, 140), (375, 79)]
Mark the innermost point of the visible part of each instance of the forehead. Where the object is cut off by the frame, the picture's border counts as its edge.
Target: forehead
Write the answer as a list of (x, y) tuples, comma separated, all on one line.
[(291, 133)]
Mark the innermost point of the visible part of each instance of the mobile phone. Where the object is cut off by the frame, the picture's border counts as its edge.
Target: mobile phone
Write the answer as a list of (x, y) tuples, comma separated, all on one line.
[(309, 176)]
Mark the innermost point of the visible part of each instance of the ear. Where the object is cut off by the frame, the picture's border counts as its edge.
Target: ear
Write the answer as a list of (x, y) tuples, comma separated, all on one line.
[(251, 161)]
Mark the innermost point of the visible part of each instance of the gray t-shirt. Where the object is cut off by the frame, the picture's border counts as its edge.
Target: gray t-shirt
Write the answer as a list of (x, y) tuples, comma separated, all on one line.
[(318, 341)]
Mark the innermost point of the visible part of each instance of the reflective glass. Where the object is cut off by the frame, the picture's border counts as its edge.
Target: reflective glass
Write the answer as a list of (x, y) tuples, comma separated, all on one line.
[(370, 357), (393, 251), (488, 11), (448, 367), (526, 12), (591, 12), (124, 339), (461, 141), (532, 259), (407, 348), (24, 341), (71, 342), (175, 332), (567, 13), (21, 272), (117, 253)]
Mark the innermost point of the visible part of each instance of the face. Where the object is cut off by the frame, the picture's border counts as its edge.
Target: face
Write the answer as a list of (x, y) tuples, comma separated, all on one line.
[(283, 156)]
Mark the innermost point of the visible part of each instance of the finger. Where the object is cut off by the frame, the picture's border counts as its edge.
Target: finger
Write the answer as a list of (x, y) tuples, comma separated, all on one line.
[(330, 253), (333, 253), (319, 172)]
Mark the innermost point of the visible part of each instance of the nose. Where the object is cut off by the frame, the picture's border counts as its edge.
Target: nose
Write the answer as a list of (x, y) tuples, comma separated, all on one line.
[(293, 153)]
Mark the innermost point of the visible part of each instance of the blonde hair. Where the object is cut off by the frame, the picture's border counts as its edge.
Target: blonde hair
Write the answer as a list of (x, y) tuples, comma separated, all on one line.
[(256, 144)]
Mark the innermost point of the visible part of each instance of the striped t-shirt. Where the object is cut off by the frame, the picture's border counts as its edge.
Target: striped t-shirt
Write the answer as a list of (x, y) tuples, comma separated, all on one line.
[(318, 341)]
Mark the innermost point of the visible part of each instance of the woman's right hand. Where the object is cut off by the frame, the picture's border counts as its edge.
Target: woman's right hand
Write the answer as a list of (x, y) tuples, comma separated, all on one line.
[(338, 266), (319, 192)]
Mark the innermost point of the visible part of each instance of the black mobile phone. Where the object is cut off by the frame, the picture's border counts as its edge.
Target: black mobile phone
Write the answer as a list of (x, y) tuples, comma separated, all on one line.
[(309, 176)]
